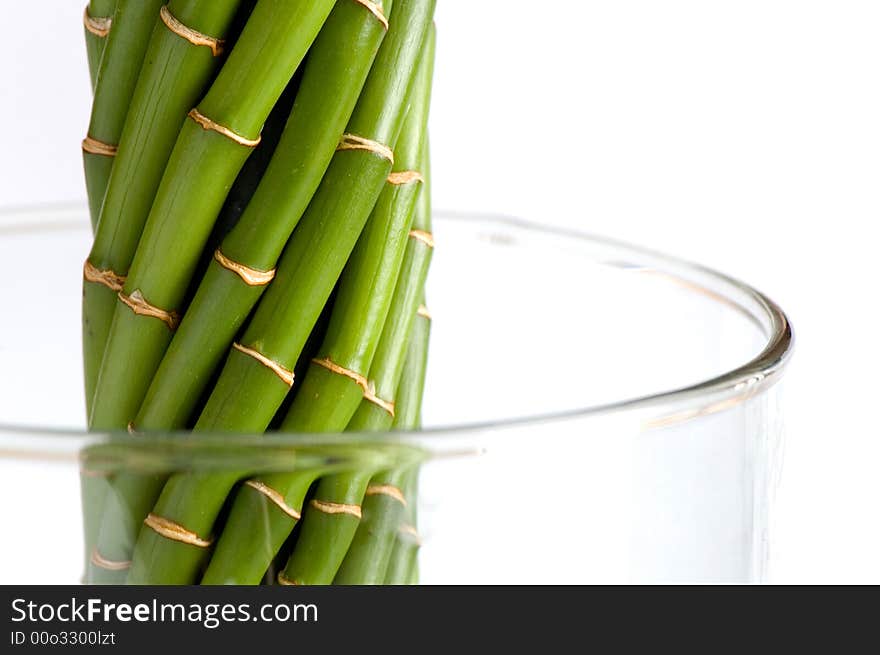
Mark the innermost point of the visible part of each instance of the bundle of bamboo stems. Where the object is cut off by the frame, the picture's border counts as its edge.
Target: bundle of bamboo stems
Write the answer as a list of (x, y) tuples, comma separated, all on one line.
[(257, 174)]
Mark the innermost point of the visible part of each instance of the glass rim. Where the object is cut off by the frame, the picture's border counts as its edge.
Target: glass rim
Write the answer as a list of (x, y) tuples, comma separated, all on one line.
[(691, 401)]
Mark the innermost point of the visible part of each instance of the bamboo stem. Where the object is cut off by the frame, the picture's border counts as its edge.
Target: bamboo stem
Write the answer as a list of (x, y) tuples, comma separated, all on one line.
[(173, 77), (388, 362), (384, 512), (97, 21), (403, 565), (126, 44), (262, 518), (249, 392), (327, 398), (135, 493), (202, 166), (226, 296)]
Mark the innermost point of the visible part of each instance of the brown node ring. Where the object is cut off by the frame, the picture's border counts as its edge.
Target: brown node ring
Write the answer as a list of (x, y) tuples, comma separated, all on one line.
[(252, 277), (175, 532), (387, 490), (97, 25), (387, 405), (376, 9), (275, 497), (107, 278), (423, 312), (108, 564), (193, 36), (284, 581), (208, 124), (333, 367), (425, 237), (95, 147), (410, 531), (285, 374), (399, 178), (355, 142), (336, 508), (139, 305)]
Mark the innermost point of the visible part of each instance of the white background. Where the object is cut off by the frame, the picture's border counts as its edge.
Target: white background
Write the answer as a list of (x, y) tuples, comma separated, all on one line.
[(744, 135)]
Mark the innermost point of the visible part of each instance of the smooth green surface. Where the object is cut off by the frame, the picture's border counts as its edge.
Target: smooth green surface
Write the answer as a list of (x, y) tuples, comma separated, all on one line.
[(173, 77), (200, 171), (332, 79), (133, 22)]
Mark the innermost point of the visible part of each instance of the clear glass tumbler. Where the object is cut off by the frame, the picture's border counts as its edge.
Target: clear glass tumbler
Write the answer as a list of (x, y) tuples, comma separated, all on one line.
[(594, 413)]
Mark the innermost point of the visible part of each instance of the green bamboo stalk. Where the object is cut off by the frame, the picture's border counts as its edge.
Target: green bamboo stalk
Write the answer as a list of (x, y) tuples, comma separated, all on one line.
[(118, 72), (210, 150), (334, 386), (256, 377), (390, 356), (177, 67), (384, 506), (410, 390), (332, 80), (403, 564), (405, 541), (93, 490), (326, 399), (97, 20), (263, 514), (134, 493)]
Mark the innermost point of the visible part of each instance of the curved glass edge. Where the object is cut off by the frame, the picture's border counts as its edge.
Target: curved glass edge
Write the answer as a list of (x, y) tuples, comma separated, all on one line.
[(659, 410)]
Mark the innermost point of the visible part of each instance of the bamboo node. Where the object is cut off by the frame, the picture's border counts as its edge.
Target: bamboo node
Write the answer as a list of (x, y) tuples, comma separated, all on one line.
[(284, 581), (333, 367), (408, 530), (97, 25), (139, 305), (95, 147), (285, 374), (108, 564), (399, 178), (252, 277), (423, 312), (355, 142), (387, 490), (275, 497), (131, 429), (208, 124), (376, 9), (425, 237), (175, 532), (193, 36), (108, 278), (336, 508), (371, 397)]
